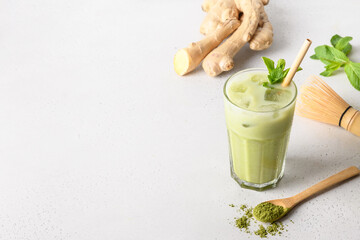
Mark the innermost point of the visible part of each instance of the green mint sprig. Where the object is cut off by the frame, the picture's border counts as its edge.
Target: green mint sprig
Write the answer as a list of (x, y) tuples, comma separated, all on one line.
[(335, 56), (276, 74)]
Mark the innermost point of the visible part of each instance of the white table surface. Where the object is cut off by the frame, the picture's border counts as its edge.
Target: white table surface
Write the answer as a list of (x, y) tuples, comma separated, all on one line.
[(100, 139)]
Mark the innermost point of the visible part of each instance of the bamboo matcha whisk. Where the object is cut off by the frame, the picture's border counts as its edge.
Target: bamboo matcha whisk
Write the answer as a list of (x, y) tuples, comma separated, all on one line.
[(320, 102)]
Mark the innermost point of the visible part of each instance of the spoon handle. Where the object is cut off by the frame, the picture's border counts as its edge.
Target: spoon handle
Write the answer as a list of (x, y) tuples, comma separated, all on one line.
[(328, 182)]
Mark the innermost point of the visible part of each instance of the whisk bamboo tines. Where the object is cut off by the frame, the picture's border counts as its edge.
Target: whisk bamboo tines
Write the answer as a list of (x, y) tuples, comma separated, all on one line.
[(320, 102)]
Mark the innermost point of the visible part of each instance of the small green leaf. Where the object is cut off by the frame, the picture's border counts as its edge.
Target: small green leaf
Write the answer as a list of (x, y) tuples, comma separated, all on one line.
[(267, 85), (352, 71), (347, 49), (326, 73), (281, 64), (326, 62), (342, 43), (286, 72), (314, 57), (276, 76), (331, 54), (330, 69), (269, 63), (334, 39), (333, 66)]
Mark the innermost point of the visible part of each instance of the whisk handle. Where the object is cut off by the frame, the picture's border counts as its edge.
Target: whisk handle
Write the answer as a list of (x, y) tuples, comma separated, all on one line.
[(351, 121), (354, 125)]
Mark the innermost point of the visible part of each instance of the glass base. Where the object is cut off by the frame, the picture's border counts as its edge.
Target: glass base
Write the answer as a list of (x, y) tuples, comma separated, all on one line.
[(256, 186)]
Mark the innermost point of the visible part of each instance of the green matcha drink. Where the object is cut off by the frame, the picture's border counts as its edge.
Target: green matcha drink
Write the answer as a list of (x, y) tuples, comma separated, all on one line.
[(259, 121)]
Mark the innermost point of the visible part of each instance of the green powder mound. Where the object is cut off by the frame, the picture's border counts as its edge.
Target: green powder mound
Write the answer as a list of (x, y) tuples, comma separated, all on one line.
[(261, 232), (268, 212), (275, 228), (249, 212), (248, 224), (243, 222)]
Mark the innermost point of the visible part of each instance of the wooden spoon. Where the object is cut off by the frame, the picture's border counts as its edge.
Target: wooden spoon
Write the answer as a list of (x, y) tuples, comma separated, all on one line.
[(289, 203)]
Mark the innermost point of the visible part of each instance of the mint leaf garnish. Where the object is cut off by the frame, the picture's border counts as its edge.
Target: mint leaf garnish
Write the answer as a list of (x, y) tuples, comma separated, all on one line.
[(269, 63), (267, 85), (276, 75)]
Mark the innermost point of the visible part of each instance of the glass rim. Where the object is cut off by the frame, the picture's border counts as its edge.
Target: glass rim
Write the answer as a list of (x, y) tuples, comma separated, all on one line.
[(252, 111)]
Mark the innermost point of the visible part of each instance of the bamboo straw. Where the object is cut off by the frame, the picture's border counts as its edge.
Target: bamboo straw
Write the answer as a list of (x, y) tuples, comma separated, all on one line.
[(296, 63)]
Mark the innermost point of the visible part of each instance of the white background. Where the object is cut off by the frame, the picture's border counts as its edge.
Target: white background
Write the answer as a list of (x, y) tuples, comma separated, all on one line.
[(100, 139)]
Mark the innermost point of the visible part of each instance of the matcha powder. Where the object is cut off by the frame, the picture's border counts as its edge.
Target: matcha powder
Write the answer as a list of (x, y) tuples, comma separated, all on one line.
[(248, 224), (261, 232), (243, 223), (268, 212)]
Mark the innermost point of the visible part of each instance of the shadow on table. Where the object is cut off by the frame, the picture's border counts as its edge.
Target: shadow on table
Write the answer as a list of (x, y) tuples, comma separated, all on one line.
[(298, 168)]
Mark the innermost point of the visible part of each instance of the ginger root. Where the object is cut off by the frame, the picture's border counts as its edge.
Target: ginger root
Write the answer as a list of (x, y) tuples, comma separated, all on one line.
[(250, 23), (187, 59)]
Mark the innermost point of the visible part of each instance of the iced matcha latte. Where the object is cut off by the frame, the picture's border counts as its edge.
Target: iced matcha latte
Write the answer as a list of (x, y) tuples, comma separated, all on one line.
[(259, 121)]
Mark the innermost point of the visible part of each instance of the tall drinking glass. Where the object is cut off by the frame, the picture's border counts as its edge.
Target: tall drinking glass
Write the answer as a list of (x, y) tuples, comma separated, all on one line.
[(258, 120)]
